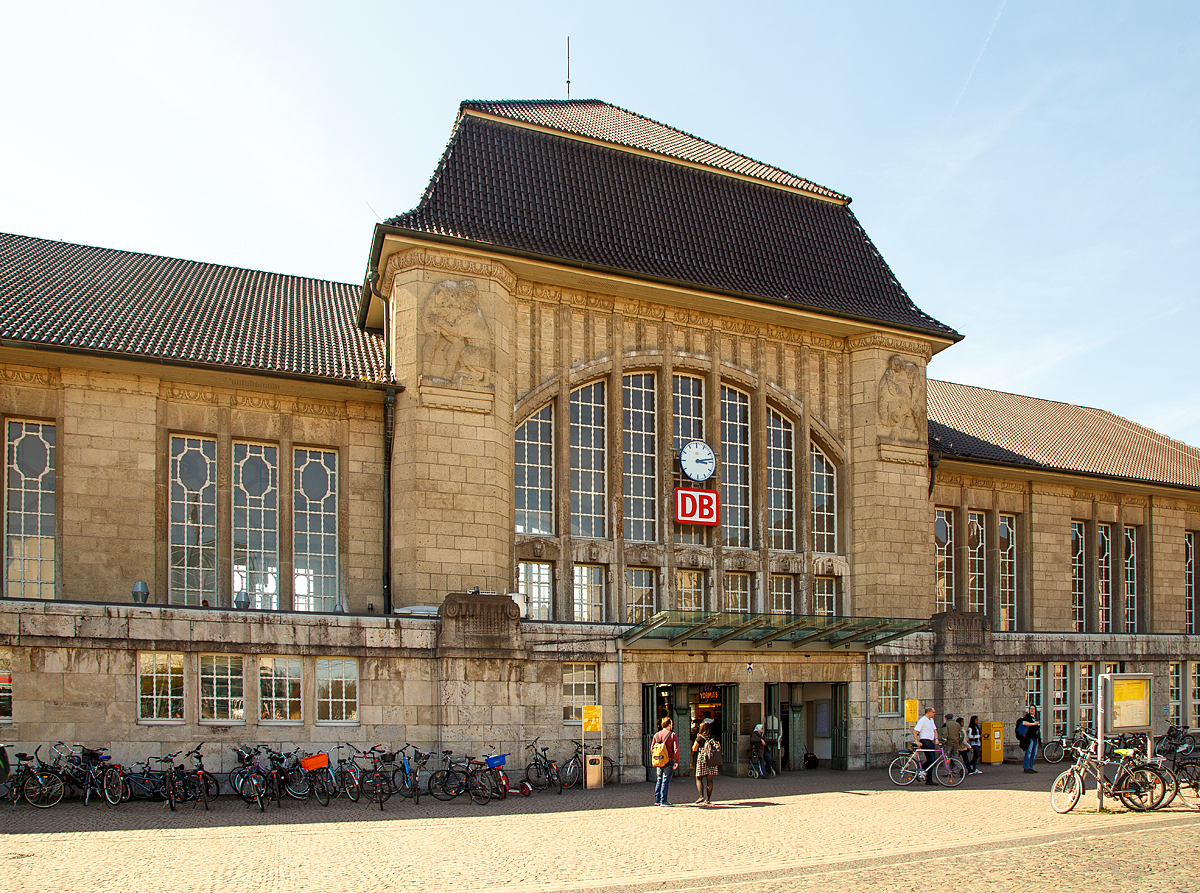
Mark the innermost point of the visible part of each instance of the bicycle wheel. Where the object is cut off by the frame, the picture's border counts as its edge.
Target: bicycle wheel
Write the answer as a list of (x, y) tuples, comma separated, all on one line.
[(479, 786), (296, 782), (1140, 788), (1171, 790), (1187, 745), (114, 785), (1188, 776), (950, 772), (1053, 752), (572, 772), (169, 790), (536, 775), (437, 785), (414, 785), (555, 779), (1066, 791), (43, 788), (212, 787), (320, 788), (610, 770), (903, 771), (349, 779), (257, 785)]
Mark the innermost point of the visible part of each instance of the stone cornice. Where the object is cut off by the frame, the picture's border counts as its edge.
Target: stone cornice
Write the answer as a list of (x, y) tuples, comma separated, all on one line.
[(921, 349), (455, 264)]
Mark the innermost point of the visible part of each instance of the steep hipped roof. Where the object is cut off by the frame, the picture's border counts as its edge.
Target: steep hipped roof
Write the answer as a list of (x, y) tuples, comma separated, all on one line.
[(992, 426), (517, 188), (98, 300)]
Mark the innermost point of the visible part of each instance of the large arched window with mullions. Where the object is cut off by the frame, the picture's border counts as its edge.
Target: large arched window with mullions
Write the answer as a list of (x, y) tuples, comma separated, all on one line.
[(534, 474), (781, 489), (824, 502), (735, 468), (588, 458)]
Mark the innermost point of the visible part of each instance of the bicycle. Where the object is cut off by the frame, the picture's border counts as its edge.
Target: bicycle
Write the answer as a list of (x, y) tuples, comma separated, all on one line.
[(344, 777), (406, 777), (376, 782), (82, 770), (1139, 786), (1177, 740), (316, 767), (41, 787), (249, 779), (572, 771), (200, 783), (449, 781), (542, 772), (908, 767)]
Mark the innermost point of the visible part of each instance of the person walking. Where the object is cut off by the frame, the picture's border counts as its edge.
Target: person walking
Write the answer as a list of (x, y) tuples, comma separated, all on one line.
[(1032, 737), (925, 734), (707, 752), (975, 742), (665, 736), (952, 737)]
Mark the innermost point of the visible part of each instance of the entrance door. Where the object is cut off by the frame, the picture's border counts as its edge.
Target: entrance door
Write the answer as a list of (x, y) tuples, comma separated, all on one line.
[(680, 716), (839, 727), (797, 746), (771, 726), (649, 718), (731, 714)]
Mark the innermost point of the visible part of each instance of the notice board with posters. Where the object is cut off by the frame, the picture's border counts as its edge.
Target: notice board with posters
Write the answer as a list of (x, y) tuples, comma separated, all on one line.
[(1126, 702)]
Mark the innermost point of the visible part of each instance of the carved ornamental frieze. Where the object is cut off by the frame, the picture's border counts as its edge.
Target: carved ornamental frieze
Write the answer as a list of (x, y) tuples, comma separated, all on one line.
[(479, 621)]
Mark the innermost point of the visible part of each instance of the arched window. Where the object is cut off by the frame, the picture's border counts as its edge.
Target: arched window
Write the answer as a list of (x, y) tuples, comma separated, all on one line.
[(588, 457), (824, 502), (640, 448), (735, 468), (534, 479), (687, 399), (781, 491)]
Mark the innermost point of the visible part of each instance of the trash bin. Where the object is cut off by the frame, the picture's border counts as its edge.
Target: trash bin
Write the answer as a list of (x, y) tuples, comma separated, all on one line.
[(594, 771), (993, 742)]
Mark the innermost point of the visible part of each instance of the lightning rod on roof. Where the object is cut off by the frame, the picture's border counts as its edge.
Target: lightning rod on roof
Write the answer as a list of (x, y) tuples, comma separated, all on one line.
[(568, 66)]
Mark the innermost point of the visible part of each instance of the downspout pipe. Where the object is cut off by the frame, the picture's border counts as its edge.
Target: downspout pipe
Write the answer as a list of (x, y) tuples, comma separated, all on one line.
[(389, 426)]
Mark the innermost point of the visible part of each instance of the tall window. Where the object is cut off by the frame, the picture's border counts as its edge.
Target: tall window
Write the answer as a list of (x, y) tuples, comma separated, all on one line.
[(160, 680), (193, 477), (589, 593), (1077, 591), (29, 510), (221, 684), (976, 562), (1008, 573), (279, 683), (687, 398), (641, 456), (1189, 583), (1175, 692), (1104, 577), (533, 492), (889, 689), (315, 530), (579, 690), (825, 596), (256, 524), (1060, 712), (1131, 580), (587, 461), (337, 690), (783, 594), (735, 468), (6, 692), (639, 594), (1087, 697), (781, 490), (943, 539), (824, 501), (690, 586), (737, 593), (535, 583), (1033, 687)]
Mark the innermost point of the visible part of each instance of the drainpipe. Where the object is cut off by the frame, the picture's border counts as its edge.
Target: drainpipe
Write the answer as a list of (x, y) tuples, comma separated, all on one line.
[(620, 710), (934, 460), (389, 419), (867, 705)]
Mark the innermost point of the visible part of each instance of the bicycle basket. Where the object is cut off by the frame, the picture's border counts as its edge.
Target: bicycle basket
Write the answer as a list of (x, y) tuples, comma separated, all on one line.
[(316, 761), (495, 761)]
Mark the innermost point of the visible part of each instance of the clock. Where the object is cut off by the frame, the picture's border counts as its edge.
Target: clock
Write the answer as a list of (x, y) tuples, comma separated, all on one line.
[(697, 460)]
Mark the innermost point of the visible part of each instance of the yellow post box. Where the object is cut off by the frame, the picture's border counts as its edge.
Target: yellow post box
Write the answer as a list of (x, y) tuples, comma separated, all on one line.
[(993, 742)]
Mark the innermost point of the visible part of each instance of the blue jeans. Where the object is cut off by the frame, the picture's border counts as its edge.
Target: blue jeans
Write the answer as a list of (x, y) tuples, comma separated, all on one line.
[(663, 784), (1030, 753)]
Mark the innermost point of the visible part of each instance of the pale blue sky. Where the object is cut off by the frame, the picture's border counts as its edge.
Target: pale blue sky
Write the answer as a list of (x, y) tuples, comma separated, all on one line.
[(1028, 170)]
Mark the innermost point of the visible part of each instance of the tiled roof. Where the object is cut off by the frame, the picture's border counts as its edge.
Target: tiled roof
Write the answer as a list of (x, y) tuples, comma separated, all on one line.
[(553, 196), (61, 295), (992, 426), (598, 120)]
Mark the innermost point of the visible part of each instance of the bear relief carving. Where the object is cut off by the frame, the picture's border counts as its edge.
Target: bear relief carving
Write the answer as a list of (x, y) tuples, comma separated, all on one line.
[(456, 346), (901, 407)]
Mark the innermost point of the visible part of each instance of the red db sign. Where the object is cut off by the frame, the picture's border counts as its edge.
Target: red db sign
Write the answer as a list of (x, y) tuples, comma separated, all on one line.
[(697, 506)]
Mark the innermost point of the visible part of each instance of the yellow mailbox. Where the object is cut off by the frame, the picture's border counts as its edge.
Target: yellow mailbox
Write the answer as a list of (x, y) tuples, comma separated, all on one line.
[(993, 742)]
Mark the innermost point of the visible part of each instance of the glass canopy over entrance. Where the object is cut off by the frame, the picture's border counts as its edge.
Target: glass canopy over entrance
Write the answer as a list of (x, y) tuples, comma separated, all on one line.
[(741, 632)]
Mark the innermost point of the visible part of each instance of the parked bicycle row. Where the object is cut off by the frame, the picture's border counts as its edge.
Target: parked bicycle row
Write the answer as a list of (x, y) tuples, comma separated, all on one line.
[(1125, 772), (264, 775)]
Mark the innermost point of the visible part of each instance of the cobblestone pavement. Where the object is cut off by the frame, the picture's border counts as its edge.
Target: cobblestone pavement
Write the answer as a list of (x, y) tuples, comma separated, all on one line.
[(809, 830)]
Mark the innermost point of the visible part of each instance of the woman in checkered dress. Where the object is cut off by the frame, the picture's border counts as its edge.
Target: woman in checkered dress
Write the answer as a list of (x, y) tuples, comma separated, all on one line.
[(708, 761)]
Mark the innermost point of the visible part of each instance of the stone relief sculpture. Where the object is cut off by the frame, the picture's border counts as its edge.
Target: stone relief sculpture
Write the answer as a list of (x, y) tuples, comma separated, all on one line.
[(457, 343), (900, 403)]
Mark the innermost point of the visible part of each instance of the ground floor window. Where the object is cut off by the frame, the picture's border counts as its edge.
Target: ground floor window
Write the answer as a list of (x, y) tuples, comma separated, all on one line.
[(1175, 692), (825, 596), (535, 583), (589, 593), (639, 594), (783, 594), (579, 690), (1195, 724), (1087, 697), (337, 690), (221, 683), (1033, 687), (5, 684), (889, 689), (1060, 715), (737, 594), (279, 683), (160, 682)]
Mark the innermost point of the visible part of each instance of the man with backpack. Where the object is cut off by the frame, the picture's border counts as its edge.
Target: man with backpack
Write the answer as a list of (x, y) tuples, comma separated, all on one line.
[(1029, 734), (664, 755)]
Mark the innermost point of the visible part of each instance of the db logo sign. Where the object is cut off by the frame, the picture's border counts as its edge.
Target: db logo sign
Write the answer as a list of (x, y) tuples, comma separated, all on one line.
[(697, 506)]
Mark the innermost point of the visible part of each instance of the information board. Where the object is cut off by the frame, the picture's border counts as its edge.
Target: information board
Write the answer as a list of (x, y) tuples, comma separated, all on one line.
[(1127, 703)]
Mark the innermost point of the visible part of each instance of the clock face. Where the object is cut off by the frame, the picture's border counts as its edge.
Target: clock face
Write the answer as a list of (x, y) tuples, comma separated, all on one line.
[(697, 461)]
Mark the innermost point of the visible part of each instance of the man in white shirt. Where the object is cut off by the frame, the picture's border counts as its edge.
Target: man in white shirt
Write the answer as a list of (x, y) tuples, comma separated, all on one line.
[(925, 734)]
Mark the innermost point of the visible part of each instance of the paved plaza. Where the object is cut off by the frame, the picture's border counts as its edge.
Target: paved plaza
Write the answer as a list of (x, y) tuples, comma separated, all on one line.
[(803, 831)]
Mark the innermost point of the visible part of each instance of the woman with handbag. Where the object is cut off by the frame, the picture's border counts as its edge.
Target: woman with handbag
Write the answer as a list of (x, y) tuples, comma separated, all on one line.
[(708, 761)]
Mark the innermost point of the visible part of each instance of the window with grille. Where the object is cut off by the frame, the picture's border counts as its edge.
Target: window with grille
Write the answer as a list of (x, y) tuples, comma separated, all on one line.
[(221, 684), (1104, 577), (315, 530), (639, 594), (6, 685), (193, 496), (783, 594), (943, 539), (1189, 583), (535, 583), (533, 491), (588, 457), (687, 398), (1077, 591), (255, 524), (781, 490), (735, 468), (279, 685), (160, 682), (889, 689), (337, 690), (1007, 588), (737, 593), (579, 690), (29, 510), (1175, 692), (1087, 697), (1060, 713), (689, 584), (824, 501), (589, 593), (640, 457), (976, 562), (1131, 580), (1033, 687), (825, 596)]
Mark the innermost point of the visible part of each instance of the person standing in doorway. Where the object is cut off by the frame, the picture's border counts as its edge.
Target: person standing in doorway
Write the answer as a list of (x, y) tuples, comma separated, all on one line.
[(1032, 737), (707, 752), (925, 734), (667, 737)]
